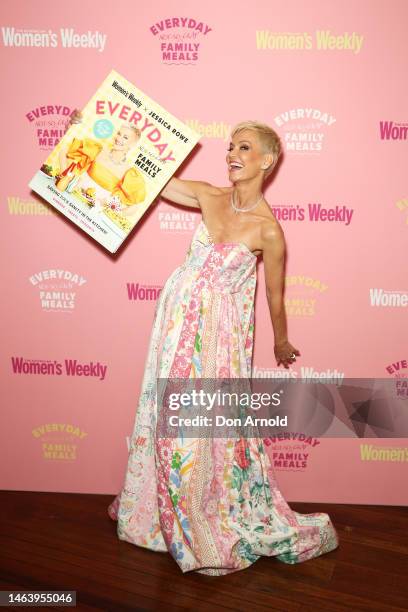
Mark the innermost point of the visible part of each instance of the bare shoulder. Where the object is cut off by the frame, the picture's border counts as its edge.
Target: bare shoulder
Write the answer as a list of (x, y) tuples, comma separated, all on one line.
[(187, 192), (205, 189), (272, 236), (207, 195)]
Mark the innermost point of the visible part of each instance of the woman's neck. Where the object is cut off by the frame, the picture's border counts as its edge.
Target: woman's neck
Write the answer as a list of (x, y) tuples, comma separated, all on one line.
[(118, 155), (246, 194)]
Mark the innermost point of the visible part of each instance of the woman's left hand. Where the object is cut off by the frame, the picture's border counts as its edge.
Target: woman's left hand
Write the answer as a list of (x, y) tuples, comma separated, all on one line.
[(285, 353)]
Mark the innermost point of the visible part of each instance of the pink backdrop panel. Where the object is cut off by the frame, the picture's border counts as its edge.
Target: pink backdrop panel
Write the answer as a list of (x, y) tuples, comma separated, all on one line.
[(335, 95)]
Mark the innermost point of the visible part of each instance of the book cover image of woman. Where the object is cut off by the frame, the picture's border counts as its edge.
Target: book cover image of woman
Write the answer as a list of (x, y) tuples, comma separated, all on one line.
[(101, 173)]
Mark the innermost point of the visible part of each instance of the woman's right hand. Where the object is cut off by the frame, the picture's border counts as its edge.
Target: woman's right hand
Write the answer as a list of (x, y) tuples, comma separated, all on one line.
[(75, 117)]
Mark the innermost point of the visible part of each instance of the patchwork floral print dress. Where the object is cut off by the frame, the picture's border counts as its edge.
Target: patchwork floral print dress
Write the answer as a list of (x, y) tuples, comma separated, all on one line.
[(212, 503)]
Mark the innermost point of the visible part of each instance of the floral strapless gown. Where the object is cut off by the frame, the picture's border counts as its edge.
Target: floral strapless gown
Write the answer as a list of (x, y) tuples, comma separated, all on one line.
[(213, 504)]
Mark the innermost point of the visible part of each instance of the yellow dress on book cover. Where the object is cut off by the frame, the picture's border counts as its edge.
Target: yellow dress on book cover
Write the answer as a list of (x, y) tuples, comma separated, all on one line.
[(130, 188)]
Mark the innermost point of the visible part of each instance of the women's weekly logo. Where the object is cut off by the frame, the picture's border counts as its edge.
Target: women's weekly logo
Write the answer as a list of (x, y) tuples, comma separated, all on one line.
[(68, 38)]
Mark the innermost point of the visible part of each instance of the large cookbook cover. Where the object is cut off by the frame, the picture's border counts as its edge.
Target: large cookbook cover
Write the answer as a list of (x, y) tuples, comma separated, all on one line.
[(107, 170)]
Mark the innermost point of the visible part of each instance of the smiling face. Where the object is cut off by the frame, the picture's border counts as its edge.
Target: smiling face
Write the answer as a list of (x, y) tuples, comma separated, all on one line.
[(125, 138), (246, 158)]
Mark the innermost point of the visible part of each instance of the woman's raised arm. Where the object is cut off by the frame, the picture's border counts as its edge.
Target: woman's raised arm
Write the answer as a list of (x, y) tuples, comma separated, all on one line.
[(184, 192)]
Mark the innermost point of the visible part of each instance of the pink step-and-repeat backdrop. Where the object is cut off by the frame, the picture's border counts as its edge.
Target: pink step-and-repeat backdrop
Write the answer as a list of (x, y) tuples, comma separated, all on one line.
[(330, 78)]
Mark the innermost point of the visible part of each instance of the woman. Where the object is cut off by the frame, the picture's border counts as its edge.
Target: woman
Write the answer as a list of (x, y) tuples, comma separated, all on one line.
[(104, 171), (214, 503)]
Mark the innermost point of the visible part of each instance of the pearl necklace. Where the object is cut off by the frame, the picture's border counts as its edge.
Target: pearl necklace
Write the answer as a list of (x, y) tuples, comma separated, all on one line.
[(237, 210)]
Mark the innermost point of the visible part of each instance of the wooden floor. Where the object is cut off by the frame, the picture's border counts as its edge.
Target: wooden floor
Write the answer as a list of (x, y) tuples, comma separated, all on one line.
[(67, 542)]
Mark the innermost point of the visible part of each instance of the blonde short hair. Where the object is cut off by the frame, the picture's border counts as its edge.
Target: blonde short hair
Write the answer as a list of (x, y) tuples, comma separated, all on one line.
[(269, 139), (134, 129)]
